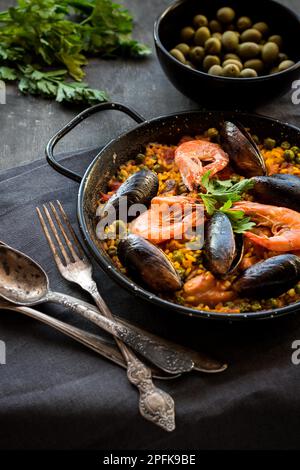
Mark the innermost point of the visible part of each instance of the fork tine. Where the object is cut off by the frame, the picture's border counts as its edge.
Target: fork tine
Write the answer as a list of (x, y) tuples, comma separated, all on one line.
[(49, 239), (57, 237), (67, 240), (71, 230)]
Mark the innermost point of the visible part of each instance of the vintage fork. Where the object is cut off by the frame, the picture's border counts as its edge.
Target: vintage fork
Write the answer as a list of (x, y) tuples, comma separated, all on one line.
[(154, 404)]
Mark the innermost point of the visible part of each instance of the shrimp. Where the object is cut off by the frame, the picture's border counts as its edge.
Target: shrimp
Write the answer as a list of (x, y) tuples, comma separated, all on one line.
[(206, 289), (169, 217), (189, 157), (284, 225)]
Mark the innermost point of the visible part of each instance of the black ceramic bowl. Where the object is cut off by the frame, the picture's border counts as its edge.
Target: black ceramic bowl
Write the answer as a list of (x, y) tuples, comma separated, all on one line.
[(234, 92)]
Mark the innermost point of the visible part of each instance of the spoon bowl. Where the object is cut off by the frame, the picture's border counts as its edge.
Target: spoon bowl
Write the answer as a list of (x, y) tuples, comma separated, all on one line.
[(22, 281)]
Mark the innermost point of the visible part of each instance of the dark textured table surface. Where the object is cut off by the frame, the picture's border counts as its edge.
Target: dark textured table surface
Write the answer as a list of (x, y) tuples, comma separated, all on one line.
[(26, 123)]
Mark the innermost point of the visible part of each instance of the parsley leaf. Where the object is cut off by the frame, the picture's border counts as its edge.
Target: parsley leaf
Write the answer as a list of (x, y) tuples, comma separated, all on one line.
[(8, 73), (210, 203), (52, 85), (46, 34), (220, 195), (221, 191), (239, 222)]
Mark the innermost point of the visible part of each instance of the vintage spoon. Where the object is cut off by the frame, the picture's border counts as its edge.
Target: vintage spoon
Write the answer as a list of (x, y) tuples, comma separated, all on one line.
[(24, 282)]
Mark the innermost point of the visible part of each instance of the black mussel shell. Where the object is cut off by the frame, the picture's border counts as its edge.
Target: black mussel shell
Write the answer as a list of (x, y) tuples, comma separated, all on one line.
[(280, 190), (148, 263), (242, 150), (139, 188), (269, 278), (223, 251)]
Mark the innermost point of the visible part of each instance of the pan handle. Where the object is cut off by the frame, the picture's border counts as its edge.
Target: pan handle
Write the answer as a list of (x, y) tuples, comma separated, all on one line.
[(51, 159)]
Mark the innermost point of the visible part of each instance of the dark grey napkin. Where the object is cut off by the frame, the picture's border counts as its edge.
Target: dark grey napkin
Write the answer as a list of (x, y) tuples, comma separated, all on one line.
[(55, 394)]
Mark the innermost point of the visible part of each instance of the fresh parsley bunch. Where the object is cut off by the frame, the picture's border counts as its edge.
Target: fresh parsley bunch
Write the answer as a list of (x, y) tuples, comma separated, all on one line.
[(221, 195), (43, 42)]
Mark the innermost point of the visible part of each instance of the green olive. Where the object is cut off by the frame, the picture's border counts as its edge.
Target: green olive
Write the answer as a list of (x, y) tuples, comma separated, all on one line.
[(178, 55), (231, 55), (216, 70), (262, 27), (230, 41), (255, 64), (251, 35), (215, 26), (270, 52), (238, 63), (243, 23), (209, 61), (187, 34), (286, 64), (197, 54), (282, 56), (217, 35), (248, 50), (213, 46), (277, 39), (201, 36), (248, 73), (226, 15), (274, 70), (231, 70), (183, 47), (200, 20)]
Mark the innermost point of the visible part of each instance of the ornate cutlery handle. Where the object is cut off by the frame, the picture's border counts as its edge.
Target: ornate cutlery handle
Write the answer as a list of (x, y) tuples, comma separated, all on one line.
[(202, 362), (155, 404), (166, 359)]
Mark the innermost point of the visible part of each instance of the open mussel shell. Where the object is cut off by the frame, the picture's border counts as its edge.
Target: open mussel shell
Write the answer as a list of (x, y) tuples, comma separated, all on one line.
[(223, 249), (139, 188), (242, 150), (280, 190), (269, 278), (148, 263)]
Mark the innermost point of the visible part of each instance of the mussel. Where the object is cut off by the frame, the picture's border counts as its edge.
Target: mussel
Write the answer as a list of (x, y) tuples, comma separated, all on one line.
[(223, 249), (139, 188), (148, 263), (280, 190), (269, 278), (242, 150)]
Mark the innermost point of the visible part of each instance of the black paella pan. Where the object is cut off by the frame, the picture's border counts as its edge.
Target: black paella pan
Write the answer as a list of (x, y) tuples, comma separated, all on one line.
[(165, 129)]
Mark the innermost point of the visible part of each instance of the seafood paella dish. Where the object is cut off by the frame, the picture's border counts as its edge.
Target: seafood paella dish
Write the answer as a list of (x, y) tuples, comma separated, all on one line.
[(212, 223)]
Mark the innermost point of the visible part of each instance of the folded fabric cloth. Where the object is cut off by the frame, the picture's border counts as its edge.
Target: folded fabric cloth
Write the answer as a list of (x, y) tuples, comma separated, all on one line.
[(55, 394)]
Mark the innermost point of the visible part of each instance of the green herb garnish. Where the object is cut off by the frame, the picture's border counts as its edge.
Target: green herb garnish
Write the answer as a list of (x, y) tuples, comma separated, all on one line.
[(239, 222), (43, 42), (220, 196)]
